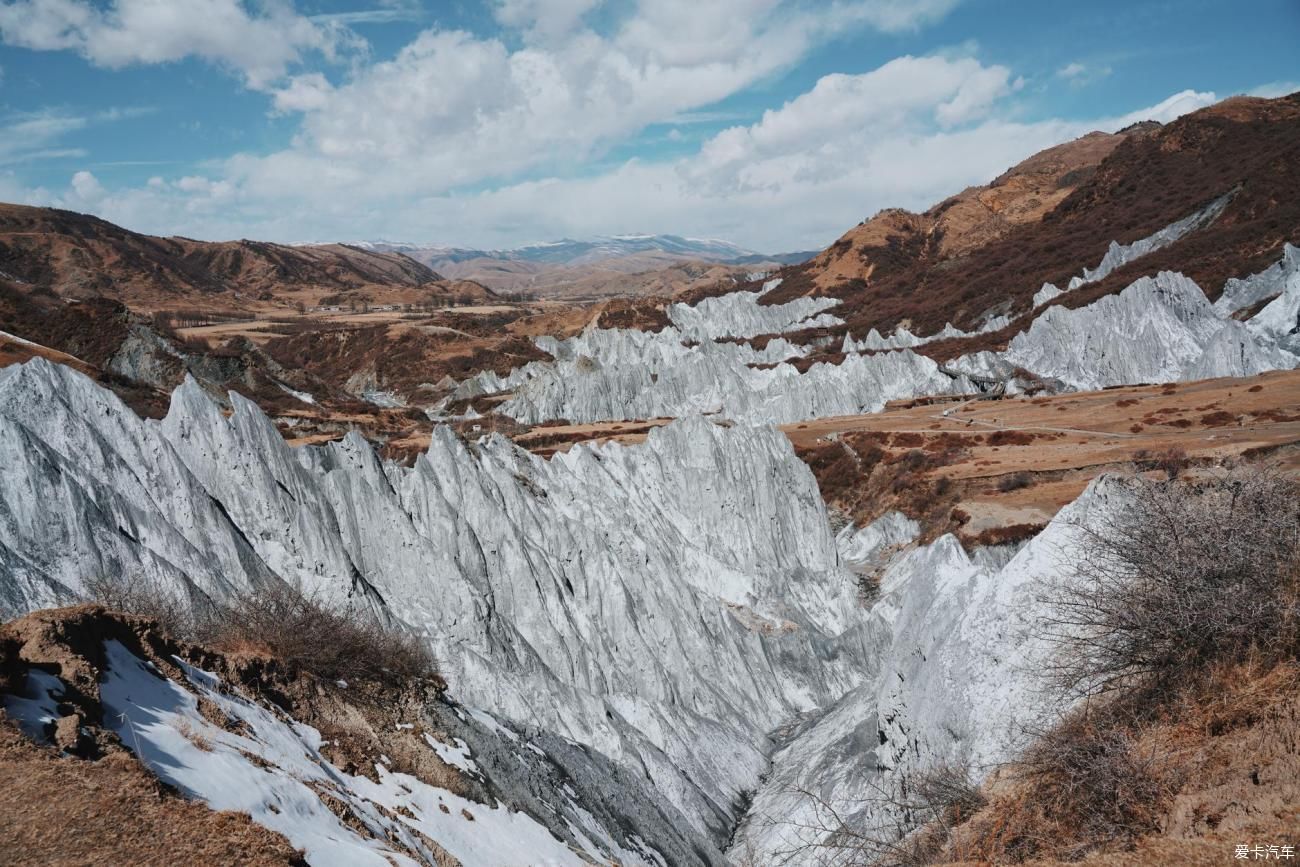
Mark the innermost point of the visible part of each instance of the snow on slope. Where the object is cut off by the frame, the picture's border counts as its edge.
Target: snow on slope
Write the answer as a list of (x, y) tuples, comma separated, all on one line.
[(273, 770), (955, 682), (667, 604)]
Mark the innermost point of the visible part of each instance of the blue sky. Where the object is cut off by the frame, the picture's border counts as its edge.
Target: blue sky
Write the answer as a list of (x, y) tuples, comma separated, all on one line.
[(776, 125)]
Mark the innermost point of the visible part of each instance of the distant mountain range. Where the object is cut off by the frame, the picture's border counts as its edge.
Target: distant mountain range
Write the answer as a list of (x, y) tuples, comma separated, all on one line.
[(601, 248), (601, 266)]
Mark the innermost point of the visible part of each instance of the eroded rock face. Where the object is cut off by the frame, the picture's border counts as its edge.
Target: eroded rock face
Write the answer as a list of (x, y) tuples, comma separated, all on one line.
[(1244, 292), (738, 314), (667, 604), (1159, 329), (714, 379), (350, 773), (614, 374), (957, 681)]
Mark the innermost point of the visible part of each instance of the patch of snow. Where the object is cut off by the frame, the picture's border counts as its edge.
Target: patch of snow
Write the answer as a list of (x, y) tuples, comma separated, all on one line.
[(457, 756), (273, 771), (37, 708)]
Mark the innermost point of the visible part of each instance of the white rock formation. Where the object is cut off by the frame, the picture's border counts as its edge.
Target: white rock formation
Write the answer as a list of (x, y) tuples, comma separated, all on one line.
[(739, 314), (902, 338), (616, 374), (869, 548), (712, 379), (1242, 292), (1279, 322), (1119, 255), (1159, 329), (667, 604), (956, 682)]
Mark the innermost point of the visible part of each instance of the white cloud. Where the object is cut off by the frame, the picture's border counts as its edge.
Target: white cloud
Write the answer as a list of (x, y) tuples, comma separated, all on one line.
[(1080, 74), (260, 45), (828, 129), (431, 144), (87, 187), (544, 19), (796, 188), (1168, 109), (1274, 89), (31, 136)]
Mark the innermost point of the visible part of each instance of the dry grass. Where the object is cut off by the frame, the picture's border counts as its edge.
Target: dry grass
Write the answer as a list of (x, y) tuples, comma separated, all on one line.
[(112, 811)]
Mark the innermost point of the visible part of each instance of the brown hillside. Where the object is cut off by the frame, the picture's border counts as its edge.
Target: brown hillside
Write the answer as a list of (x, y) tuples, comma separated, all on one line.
[(951, 263), (81, 256)]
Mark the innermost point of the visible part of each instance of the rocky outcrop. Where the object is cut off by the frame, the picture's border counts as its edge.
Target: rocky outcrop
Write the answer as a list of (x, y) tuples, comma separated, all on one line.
[(1159, 329), (956, 683), (712, 379), (667, 604), (1243, 293), (739, 314), (618, 374)]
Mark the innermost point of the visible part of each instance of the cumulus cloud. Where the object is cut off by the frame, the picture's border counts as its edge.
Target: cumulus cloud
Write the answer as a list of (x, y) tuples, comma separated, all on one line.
[(435, 142), (794, 188), (260, 45), (1274, 89), (1168, 109), (828, 129)]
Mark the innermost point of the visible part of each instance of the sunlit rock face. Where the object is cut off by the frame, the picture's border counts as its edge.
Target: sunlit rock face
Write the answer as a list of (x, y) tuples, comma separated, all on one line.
[(713, 379), (1159, 329), (668, 604), (616, 374), (739, 314), (957, 682)]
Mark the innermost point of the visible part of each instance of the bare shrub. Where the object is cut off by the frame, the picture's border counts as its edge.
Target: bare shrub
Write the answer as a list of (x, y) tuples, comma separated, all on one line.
[(182, 614), (1181, 576), (1171, 461), (1015, 481), (299, 630), (311, 636), (1090, 782), (946, 793), (1010, 438), (916, 819)]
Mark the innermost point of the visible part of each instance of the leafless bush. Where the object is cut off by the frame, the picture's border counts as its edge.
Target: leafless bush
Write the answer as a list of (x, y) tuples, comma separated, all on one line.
[(907, 824), (311, 636), (299, 630), (184, 615), (1172, 461), (1088, 782), (1182, 576), (946, 793), (1014, 482)]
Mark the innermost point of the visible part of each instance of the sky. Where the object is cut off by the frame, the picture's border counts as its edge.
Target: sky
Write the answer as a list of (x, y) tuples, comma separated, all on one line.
[(773, 124)]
